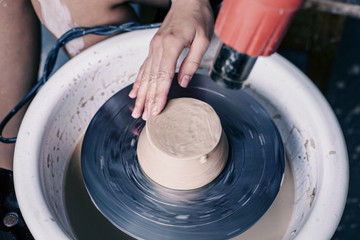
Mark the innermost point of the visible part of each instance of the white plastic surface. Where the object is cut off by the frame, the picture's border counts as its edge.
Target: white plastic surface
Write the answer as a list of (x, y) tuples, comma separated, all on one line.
[(58, 116)]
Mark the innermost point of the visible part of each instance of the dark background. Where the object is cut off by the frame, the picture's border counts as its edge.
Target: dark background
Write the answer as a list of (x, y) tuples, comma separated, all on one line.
[(343, 94), (341, 89)]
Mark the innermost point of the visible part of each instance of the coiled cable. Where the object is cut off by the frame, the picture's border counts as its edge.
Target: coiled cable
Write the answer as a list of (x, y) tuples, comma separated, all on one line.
[(105, 30)]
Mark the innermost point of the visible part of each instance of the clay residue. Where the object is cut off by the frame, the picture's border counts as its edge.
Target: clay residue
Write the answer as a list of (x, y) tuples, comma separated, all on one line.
[(185, 128)]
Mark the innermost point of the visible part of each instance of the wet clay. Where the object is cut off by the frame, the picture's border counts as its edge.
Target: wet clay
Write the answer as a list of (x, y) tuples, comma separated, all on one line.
[(184, 147)]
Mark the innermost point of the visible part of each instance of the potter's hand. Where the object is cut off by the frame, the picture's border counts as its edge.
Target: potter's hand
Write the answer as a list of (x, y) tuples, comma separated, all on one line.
[(189, 24)]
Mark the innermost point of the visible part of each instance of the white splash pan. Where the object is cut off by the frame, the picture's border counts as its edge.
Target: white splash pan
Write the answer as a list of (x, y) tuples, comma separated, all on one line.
[(58, 117)]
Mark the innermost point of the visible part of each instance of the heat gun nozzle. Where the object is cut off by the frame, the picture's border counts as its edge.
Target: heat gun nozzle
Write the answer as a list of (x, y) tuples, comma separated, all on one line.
[(231, 68)]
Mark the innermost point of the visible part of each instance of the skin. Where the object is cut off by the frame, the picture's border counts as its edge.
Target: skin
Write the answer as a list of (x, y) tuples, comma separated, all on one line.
[(19, 60), (89, 13), (189, 24)]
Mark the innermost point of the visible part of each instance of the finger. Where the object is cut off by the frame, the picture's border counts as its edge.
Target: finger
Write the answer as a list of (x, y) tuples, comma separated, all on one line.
[(172, 50), (151, 89), (150, 95), (163, 85), (141, 94), (193, 59), (135, 88), (166, 74)]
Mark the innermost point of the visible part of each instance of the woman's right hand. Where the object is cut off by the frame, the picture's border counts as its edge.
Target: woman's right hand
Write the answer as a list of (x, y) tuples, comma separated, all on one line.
[(189, 24)]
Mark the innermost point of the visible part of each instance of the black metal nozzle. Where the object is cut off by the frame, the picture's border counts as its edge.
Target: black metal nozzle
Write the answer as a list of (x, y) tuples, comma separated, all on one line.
[(231, 68)]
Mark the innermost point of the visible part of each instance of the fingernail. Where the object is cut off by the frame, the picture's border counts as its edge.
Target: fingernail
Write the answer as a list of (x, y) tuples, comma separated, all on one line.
[(145, 114), (185, 81), (154, 110), (131, 94), (135, 113)]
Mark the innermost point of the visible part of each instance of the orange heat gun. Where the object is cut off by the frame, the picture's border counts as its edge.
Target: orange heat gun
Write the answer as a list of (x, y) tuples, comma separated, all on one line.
[(248, 29)]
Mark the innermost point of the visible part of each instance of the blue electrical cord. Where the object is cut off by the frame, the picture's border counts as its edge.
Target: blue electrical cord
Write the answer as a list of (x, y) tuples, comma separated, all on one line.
[(105, 30)]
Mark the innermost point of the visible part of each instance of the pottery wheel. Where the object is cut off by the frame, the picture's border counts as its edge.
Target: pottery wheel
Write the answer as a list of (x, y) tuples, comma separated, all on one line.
[(222, 209)]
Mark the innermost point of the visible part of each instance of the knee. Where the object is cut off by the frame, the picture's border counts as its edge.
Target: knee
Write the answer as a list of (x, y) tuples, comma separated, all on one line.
[(58, 16)]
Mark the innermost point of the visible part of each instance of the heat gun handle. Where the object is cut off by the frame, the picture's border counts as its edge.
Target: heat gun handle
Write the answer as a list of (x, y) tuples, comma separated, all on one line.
[(254, 27)]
